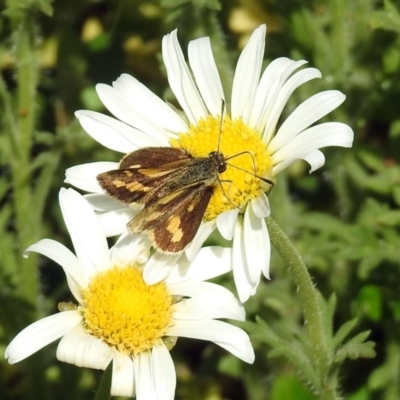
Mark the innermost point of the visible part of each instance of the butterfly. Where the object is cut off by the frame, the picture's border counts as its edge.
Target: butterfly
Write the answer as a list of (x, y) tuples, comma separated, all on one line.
[(171, 187)]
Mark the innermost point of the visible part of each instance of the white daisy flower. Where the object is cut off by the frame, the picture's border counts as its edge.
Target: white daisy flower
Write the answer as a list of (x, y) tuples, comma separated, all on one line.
[(239, 205), (120, 318)]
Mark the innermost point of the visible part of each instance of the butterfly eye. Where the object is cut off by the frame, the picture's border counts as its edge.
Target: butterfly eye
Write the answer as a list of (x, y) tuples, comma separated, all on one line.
[(222, 167), (218, 160)]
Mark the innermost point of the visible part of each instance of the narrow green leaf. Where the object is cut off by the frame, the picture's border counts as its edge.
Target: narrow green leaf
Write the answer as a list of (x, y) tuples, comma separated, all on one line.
[(389, 19), (343, 332), (355, 350), (105, 385), (299, 360)]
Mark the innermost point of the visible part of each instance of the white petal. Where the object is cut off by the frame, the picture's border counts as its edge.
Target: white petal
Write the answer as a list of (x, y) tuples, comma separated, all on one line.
[(210, 262), (304, 145), (257, 245), (84, 176), (308, 112), (130, 249), (268, 89), (118, 105), (206, 74), (315, 158), (90, 244), (144, 377), (261, 206), (195, 288), (158, 267), (285, 92), (247, 74), (67, 260), (266, 263), (204, 231), (103, 202), (226, 223), (241, 276), (114, 222), (231, 338), (148, 104), (123, 378), (210, 306), (180, 80), (40, 334), (163, 373), (84, 350), (112, 133)]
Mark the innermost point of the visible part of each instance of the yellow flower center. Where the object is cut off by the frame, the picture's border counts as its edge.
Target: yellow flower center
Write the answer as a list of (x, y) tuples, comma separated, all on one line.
[(125, 312), (246, 155)]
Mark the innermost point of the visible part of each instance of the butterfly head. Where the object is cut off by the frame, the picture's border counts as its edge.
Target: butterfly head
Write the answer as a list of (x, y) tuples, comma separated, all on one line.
[(218, 160)]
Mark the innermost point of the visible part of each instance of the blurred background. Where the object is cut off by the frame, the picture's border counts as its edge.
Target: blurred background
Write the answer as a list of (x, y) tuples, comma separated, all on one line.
[(344, 219)]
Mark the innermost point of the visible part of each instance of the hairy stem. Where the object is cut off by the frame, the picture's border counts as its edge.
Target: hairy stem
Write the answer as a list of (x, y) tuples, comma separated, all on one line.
[(21, 134), (311, 309)]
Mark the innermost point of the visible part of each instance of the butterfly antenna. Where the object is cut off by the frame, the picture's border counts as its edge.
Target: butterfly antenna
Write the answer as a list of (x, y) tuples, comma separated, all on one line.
[(239, 154), (220, 124), (248, 172)]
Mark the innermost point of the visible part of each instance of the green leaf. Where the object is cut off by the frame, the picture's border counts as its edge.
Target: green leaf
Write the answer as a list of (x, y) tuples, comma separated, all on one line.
[(355, 348), (371, 160), (262, 332), (292, 352), (360, 394), (45, 7), (369, 302), (390, 218), (389, 19), (395, 307), (230, 365), (396, 195), (297, 357), (289, 387), (104, 391), (173, 3), (386, 375), (343, 332), (90, 99)]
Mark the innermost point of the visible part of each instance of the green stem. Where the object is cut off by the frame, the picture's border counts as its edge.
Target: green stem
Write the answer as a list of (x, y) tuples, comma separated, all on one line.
[(10, 124), (339, 9), (310, 306), (105, 384), (21, 135)]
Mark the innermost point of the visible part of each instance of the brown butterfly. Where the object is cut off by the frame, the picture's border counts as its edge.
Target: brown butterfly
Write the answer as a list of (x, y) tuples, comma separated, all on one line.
[(171, 187)]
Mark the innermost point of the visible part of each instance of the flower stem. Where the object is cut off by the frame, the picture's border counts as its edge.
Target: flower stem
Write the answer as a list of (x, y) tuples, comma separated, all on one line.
[(311, 308), (19, 125), (105, 384)]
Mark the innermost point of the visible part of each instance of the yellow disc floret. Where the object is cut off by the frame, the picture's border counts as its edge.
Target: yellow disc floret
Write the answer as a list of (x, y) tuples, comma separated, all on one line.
[(125, 312), (246, 157)]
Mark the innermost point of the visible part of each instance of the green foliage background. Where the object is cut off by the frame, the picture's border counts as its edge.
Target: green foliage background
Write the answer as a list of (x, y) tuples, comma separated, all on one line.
[(344, 219)]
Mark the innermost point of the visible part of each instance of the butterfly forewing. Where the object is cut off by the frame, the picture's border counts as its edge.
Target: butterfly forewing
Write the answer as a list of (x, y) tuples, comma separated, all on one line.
[(153, 157), (142, 172)]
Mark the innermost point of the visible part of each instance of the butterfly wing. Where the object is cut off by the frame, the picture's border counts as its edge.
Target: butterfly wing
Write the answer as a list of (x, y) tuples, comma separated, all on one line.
[(153, 157), (173, 220), (172, 187), (144, 171)]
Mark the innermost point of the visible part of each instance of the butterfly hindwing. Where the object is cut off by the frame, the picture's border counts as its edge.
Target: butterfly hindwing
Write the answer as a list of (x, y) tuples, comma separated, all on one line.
[(172, 222)]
